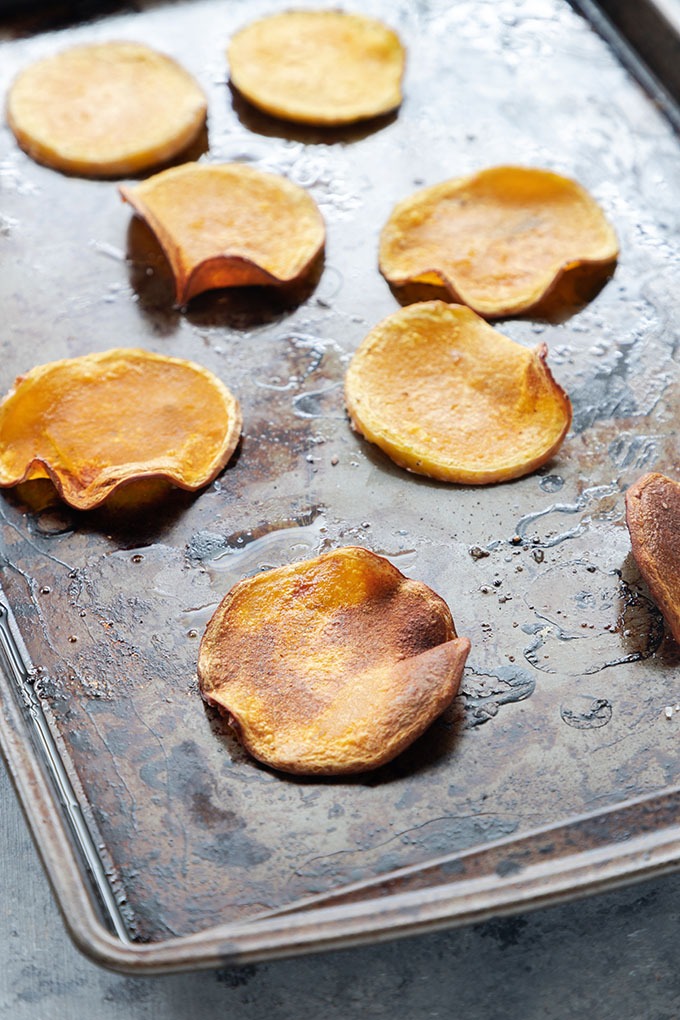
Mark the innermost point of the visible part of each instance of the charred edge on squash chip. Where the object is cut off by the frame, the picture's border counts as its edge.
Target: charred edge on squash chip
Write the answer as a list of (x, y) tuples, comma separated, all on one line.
[(653, 521), (221, 268)]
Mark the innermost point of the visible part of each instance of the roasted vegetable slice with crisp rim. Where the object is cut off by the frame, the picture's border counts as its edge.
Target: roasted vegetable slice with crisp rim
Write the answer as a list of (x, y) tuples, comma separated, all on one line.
[(94, 423), (107, 109), (229, 225), (499, 241), (444, 394), (333, 665), (653, 519), (318, 67)]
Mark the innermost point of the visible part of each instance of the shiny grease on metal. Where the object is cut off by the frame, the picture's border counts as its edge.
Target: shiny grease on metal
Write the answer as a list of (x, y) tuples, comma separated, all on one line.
[(561, 709)]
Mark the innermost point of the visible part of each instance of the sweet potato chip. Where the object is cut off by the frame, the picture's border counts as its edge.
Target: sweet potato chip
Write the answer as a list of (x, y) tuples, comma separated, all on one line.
[(445, 395), (499, 241), (330, 666), (105, 109), (228, 225), (95, 422), (318, 67), (653, 519)]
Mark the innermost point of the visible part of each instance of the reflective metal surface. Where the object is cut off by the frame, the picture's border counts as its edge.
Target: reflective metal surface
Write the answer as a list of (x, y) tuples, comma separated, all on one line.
[(563, 707)]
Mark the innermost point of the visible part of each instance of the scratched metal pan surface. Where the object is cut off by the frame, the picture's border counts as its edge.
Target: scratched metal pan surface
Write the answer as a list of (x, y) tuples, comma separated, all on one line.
[(553, 771)]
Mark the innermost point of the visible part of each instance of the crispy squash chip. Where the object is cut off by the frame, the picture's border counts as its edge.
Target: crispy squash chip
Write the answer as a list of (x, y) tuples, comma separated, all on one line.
[(318, 67), (500, 240), (653, 519), (93, 423), (333, 665), (228, 225), (445, 395), (105, 109)]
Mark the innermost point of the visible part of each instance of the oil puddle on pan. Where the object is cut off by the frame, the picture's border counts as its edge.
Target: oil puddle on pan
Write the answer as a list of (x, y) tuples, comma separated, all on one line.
[(602, 620)]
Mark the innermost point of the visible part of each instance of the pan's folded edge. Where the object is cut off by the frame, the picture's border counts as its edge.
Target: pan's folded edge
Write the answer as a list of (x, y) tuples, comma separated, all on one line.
[(645, 34), (584, 855), (51, 805)]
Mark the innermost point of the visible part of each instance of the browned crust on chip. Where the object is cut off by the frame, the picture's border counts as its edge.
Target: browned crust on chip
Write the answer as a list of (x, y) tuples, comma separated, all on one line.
[(332, 666), (71, 437), (653, 519)]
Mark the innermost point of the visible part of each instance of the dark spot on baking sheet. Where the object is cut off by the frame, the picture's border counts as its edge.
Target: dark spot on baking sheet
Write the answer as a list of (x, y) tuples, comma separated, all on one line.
[(585, 713)]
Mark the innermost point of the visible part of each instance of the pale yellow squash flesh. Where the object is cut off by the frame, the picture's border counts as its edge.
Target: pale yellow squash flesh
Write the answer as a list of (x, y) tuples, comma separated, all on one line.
[(446, 395), (498, 240), (107, 109), (318, 67), (653, 519), (229, 225), (94, 423)]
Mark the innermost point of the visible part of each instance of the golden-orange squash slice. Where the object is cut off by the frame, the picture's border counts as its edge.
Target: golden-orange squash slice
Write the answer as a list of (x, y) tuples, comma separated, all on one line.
[(95, 422), (228, 225), (105, 109), (333, 665), (318, 67), (500, 240), (653, 519), (446, 395)]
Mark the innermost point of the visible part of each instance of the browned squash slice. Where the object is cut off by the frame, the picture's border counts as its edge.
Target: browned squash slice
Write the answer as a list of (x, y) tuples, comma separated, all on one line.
[(653, 519), (446, 395), (105, 109), (228, 225), (499, 240), (93, 423), (331, 666), (318, 67)]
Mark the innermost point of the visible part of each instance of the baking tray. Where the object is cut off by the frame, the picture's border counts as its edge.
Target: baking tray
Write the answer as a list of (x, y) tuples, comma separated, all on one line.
[(554, 771)]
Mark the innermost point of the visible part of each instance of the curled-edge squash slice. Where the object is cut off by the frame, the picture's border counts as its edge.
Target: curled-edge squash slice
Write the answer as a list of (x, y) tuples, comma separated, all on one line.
[(318, 67), (331, 666), (228, 225), (106, 109), (653, 519), (93, 423), (445, 395), (500, 240)]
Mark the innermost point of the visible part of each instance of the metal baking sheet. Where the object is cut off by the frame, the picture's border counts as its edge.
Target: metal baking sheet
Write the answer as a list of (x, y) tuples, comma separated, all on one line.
[(553, 772)]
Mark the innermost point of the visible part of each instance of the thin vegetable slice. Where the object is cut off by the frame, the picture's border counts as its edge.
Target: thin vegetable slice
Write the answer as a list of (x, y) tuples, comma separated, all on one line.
[(500, 240), (93, 423), (653, 519), (445, 395), (333, 665), (229, 225), (105, 109), (318, 67)]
